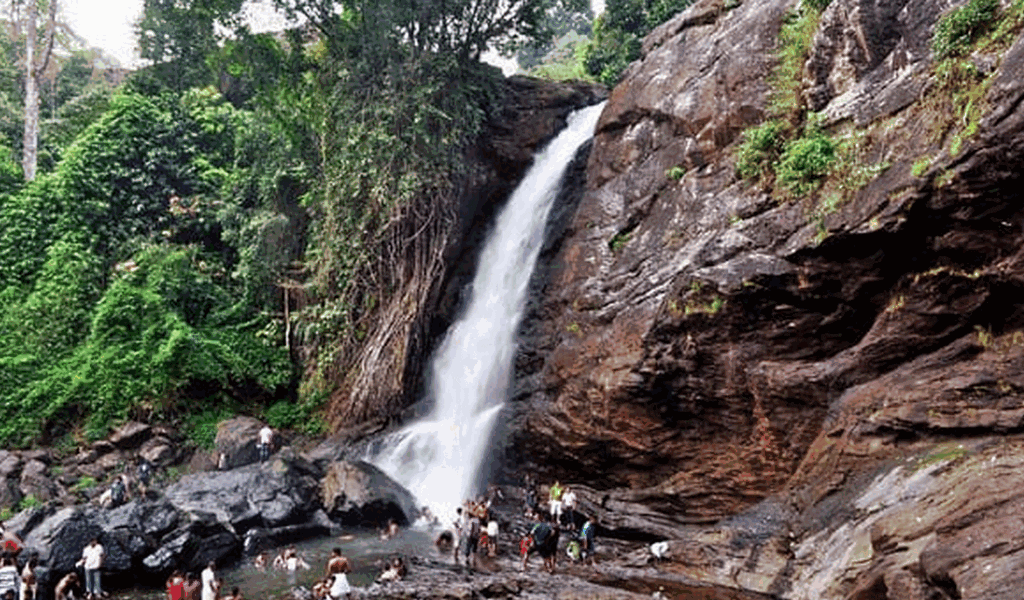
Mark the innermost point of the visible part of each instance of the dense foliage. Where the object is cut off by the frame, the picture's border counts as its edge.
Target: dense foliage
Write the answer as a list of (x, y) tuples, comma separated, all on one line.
[(958, 29), (183, 243), (119, 299), (619, 31)]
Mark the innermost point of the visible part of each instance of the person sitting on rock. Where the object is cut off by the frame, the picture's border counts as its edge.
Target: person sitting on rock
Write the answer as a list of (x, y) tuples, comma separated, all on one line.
[(444, 542), (321, 588), (67, 588), (12, 544), (192, 587)]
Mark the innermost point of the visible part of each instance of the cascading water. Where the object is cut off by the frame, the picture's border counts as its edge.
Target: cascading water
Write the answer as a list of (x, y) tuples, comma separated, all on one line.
[(437, 458)]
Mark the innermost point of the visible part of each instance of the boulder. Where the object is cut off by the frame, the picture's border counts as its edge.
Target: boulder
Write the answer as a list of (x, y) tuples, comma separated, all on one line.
[(159, 451), (131, 435), (280, 492), (36, 482), (236, 442), (360, 494), (201, 539), (59, 540)]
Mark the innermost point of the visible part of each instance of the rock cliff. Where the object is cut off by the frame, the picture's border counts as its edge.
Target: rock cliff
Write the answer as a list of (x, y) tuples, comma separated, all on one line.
[(812, 395)]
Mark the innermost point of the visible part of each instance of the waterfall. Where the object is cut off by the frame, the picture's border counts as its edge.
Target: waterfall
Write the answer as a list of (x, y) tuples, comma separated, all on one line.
[(437, 458)]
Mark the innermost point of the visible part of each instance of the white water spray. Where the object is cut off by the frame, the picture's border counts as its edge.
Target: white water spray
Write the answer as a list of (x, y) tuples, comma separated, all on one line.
[(437, 458)]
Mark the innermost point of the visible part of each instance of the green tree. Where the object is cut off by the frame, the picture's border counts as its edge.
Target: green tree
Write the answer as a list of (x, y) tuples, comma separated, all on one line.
[(179, 35), (618, 33)]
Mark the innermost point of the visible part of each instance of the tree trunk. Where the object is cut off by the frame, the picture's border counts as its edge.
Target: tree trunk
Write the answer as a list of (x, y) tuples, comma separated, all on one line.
[(30, 142), (31, 138)]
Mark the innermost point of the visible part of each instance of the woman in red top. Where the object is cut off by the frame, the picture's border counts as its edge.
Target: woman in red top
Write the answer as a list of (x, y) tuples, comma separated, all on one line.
[(176, 586)]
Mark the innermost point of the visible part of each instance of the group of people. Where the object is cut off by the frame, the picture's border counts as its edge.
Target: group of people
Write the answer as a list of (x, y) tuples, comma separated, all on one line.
[(286, 560), (562, 504), (543, 535), (182, 586), (474, 531), (120, 490)]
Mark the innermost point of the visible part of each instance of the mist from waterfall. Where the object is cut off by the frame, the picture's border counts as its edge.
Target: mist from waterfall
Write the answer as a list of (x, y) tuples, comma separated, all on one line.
[(437, 458)]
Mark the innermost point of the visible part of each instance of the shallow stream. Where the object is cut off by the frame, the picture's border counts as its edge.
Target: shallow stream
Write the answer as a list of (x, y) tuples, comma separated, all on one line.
[(365, 551)]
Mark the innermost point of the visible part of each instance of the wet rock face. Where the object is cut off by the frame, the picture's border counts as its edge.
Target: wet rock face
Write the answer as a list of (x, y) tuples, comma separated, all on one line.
[(697, 343), (386, 374)]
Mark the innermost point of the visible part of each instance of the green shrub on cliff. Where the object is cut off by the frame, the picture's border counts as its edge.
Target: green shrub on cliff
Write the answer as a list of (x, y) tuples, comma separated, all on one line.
[(760, 149), (957, 30), (805, 161)]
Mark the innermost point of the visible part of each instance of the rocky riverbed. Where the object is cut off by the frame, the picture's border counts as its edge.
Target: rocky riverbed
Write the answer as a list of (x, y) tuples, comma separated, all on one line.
[(198, 512)]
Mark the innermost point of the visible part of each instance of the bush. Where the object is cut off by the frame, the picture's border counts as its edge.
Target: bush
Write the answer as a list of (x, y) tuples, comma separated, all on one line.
[(805, 161), (957, 30), (760, 148)]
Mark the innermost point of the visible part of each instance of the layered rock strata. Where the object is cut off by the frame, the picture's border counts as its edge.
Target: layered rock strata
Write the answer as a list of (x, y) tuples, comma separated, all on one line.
[(817, 396)]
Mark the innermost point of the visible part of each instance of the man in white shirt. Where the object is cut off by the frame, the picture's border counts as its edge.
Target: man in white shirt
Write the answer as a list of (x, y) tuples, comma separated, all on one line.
[(266, 440), (209, 579), (92, 560)]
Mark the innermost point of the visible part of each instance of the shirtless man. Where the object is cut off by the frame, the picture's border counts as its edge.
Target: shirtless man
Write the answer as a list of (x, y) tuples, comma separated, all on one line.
[(337, 569), (66, 587)]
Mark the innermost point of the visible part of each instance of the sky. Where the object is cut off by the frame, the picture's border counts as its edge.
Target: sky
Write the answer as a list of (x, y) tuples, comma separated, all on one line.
[(110, 24)]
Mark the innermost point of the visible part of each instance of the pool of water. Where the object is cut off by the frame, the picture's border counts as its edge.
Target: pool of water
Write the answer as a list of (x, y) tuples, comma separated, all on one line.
[(365, 552)]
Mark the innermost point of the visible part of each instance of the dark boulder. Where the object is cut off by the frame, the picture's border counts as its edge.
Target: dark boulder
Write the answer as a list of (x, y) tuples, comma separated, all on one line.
[(360, 494), (236, 442), (280, 492)]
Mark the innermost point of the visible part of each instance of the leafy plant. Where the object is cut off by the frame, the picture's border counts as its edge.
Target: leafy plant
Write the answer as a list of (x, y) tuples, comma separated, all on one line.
[(85, 482), (675, 173), (760, 149), (29, 501), (619, 241), (805, 161), (201, 427), (957, 30)]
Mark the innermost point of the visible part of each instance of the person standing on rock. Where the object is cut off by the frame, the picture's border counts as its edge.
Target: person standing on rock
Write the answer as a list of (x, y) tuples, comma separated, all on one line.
[(569, 507), (144, 472), (587, 533), (555, 502), (29, 583), (10, 581), (209, 582), (265, 442), (92, 561)]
